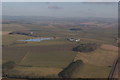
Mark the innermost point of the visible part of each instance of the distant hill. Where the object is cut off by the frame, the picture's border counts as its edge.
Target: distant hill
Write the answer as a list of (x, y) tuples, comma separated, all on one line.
[(47, 18)]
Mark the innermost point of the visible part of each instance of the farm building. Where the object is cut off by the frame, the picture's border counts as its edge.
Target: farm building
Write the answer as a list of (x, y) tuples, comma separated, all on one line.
[(73, 39)]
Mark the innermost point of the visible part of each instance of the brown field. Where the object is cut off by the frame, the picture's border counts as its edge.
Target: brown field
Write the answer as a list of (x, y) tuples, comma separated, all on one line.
[(88, 23), (5, 32), (109, 47), (96, 62), (98, 57), (91, 71)]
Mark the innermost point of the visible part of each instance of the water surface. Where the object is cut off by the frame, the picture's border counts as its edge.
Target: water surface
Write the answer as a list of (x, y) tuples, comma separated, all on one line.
[(36, 40)]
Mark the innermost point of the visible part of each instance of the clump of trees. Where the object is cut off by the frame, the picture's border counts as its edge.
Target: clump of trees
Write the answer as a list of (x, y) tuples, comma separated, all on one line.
[(86, 47), (70, 69), (24, 33), (76, 29)]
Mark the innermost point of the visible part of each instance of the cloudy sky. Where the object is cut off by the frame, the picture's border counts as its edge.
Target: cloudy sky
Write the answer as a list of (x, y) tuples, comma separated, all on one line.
[(61, 9)]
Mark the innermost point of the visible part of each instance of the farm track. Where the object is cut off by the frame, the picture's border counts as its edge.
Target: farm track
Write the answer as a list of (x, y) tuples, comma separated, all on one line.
[(25, 56)]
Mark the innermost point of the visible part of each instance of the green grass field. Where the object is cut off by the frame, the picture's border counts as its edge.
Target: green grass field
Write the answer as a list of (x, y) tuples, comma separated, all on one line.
[(55, 52), (9, 40), (59, 59)]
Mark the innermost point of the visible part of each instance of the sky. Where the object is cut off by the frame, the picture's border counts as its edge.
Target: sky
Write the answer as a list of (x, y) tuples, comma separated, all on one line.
[(61, 9), (60, 0)]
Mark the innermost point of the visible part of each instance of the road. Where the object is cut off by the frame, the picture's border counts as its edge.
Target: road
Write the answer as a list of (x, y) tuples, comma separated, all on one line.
[(114, 71)]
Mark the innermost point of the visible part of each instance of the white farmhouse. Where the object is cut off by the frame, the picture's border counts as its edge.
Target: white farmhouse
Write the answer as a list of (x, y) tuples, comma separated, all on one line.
[(73, 39), (77, 40)]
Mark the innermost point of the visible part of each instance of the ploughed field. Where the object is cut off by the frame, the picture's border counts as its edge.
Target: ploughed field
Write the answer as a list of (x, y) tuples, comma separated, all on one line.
[(48, 58)]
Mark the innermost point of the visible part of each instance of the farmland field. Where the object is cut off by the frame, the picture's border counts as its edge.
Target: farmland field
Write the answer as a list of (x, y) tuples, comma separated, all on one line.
[(49, 57), (99, 57), (95, 71)]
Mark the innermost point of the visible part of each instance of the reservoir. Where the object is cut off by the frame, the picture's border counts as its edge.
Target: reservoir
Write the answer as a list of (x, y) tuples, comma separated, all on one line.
[(36, 40)]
